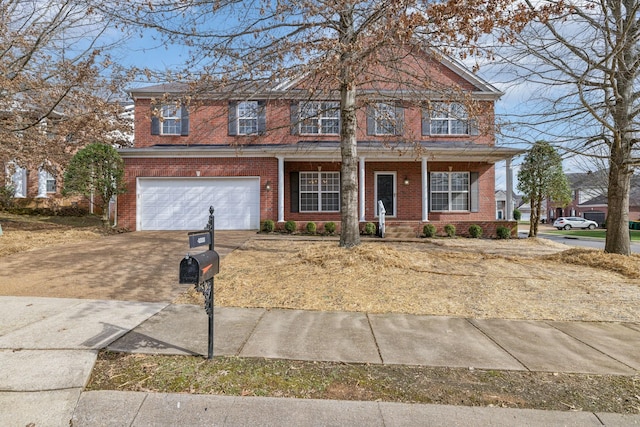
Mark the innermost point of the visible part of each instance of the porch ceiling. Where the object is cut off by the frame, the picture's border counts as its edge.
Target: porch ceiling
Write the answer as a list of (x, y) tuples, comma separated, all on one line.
[(330, 151)]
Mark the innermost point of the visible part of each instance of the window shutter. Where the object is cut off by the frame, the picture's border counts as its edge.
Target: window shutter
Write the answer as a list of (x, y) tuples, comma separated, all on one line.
[(155, 125), (371, 120), (426, 122), (294, 185), (473, 127), (399, 120), (42, 183), (233, 123), (474, 193), (295, 125), (184, 122), (262, 117)]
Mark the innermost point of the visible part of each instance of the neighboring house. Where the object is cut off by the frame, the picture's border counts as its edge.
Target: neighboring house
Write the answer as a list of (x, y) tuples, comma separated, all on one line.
[(501, 204), (273, 154), (590, 197)]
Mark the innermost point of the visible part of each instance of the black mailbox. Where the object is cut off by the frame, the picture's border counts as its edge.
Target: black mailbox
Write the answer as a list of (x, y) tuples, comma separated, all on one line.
[(195, 269)]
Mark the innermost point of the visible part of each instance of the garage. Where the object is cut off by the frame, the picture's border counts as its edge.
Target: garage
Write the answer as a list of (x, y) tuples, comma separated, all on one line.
[(183, 203)]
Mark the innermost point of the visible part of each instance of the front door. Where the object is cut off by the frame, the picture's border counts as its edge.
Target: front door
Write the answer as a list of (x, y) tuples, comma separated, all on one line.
[(386, 191)]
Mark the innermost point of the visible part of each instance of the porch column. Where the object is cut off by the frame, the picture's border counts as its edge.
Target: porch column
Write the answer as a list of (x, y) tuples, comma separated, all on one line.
[(280, 189), (361, 188), (509, 208), (425, 191)]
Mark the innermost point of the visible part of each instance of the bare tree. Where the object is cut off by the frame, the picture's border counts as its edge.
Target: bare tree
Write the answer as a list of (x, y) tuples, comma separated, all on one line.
[(347, 49), (583, 64), (55, 92)]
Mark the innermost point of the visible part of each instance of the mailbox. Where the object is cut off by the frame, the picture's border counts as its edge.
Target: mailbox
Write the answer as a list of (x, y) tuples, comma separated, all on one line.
[(195, 269)]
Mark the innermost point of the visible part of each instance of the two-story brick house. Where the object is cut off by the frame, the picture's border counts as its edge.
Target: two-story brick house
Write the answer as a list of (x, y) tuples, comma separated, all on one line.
[(274, 153)]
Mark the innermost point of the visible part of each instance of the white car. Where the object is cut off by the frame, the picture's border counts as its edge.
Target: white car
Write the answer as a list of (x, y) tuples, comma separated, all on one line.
[(569, 222)]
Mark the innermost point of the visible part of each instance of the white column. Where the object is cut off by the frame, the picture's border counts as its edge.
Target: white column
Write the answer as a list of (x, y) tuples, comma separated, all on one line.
[(425, 191), (280, 189), (509, 202), (361, 188)]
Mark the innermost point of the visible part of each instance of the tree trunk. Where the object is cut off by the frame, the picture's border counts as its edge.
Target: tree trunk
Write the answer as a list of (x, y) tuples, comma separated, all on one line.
[(618, 240), (350, 233)]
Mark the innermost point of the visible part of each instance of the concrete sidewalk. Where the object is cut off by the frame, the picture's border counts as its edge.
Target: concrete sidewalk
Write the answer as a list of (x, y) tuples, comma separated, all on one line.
[(48, 347)]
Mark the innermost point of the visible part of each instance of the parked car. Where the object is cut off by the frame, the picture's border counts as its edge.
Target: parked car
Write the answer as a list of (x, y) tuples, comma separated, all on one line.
[(569, 222)]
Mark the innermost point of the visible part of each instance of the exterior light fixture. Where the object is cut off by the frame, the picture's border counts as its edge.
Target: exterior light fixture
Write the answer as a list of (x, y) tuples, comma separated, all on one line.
[(406, 180), (268, 186)]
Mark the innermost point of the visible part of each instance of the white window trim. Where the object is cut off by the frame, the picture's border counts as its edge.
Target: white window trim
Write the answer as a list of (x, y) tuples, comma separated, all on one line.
[(254, 117), (449, 192), (320, 191), (449, 119), (322, 108), (177, 118), (377, 119)]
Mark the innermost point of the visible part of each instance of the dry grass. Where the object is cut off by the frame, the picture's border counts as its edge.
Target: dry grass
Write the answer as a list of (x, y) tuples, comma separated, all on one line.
[(22, 241), (517, 279)]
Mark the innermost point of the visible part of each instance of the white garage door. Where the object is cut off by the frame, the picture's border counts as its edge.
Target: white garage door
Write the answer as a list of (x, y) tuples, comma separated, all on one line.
[(183, 203)]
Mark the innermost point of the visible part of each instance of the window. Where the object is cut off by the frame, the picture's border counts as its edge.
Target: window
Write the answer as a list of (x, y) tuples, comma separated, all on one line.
[(450, 191), (320, 118), (449, 119), (247, 117), (319, 191), (385, 119), (170, 119), (18, 180), (46, 183)]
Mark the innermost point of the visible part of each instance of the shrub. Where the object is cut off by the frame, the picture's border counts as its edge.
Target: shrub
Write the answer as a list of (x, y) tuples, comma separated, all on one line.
[(290, 226), (450, 229), (517, 214), (429, 230), (330, 227), (475, 231), (268, 226), (6, 196), (311, 227), (503, 232), (370, 229)]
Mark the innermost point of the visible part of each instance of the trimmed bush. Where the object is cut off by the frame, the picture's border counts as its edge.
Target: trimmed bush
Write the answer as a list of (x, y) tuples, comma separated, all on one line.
[(475, 231), (268, 226), (517, 214), (311, 227), (290, 226), (450, 229), (330, 227), (370, 228), (429, 230), (503, 232)]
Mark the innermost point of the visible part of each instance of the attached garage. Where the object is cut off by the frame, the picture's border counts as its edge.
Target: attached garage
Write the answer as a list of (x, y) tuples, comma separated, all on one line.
[(183, 203)]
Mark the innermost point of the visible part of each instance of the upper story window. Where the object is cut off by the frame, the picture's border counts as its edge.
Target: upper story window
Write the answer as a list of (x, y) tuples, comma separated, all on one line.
[(385, 119), (319, 118), (247, 117), (170, 119), (446, 118)]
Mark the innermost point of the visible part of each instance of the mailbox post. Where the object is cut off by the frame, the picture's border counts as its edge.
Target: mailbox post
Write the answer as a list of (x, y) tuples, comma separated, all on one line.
[(200, 268)]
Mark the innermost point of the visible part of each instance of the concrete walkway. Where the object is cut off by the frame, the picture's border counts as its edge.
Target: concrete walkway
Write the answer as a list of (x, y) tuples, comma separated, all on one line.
[(48, 348)]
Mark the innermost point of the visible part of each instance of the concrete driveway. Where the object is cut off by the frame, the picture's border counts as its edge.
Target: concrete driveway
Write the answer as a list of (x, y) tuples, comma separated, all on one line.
[(138, 266)]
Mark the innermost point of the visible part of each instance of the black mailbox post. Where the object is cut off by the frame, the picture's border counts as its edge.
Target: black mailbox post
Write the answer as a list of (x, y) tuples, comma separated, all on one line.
[(200, 268)]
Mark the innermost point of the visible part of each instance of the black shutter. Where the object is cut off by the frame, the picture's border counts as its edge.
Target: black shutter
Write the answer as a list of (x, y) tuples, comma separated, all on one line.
[(399, 120), (295, 125), (233, 123), (184, 125), (294, 185), (371, 120), (155, 125), (262, 117), (426, 122), (474, 193)]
